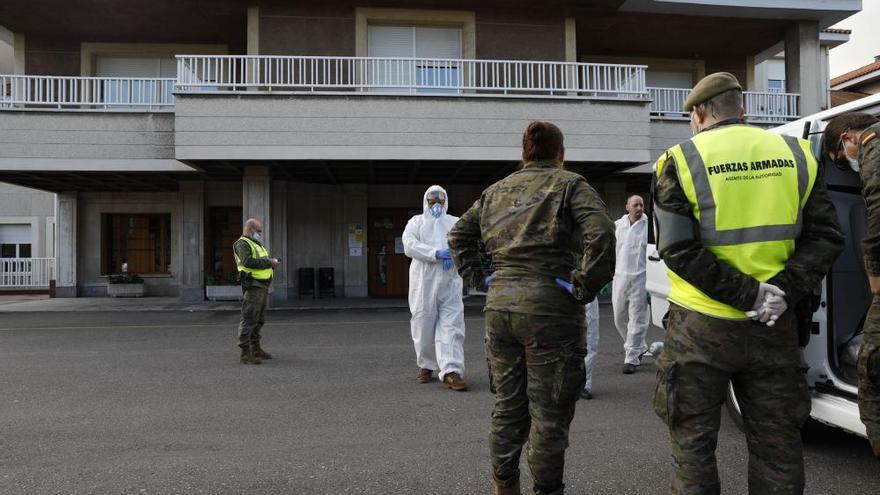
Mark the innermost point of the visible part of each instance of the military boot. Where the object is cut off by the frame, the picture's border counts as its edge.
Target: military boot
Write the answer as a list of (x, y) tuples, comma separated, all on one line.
[(509, 486), (260, 353), (248, 357)]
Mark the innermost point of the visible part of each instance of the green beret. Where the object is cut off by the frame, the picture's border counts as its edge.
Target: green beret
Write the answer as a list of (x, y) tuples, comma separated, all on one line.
[(709, 87)]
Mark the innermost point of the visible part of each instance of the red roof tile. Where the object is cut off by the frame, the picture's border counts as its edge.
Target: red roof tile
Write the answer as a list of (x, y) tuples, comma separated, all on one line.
[(861, 71)]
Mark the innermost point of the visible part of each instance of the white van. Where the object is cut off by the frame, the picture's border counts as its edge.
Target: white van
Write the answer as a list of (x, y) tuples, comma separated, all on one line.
[(836, 334)]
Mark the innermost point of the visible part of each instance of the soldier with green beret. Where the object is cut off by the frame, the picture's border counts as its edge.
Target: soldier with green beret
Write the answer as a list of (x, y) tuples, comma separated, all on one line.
[(747, 230)]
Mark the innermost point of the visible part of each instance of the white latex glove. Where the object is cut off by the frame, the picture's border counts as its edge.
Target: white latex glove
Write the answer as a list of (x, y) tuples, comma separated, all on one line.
[(773, 307), (759, 312)]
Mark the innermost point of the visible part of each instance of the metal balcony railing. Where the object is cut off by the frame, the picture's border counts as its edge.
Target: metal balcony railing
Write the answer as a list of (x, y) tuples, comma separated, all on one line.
[(294, 74), (26, 273), (760, 107), (101, 93)]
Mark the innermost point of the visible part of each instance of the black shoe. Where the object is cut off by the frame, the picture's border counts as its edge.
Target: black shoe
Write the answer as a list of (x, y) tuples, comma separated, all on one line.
[(629, 369), (586, 394)]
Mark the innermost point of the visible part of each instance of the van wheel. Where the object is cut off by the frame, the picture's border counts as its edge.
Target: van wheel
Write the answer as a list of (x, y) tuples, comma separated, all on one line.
[(733, 407)]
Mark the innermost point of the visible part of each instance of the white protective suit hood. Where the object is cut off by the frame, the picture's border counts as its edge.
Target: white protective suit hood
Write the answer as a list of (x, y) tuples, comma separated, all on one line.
[(426, 210)]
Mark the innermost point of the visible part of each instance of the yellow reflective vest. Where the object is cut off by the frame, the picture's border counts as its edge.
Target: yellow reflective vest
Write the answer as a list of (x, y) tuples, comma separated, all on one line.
[(747, 188), (257, 251)]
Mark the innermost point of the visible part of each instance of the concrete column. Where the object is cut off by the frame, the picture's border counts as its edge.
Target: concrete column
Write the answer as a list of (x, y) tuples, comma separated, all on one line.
[(354, 212), (192, 265), (253, 30), (802, 71), (18, 54), (751, 72), (615, 199), (65, 244), (256, 194), (278, 225)]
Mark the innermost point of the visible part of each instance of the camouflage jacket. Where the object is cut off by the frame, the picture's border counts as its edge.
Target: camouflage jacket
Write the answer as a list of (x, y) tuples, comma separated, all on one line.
[(869, 159), (243, 251), (538, 224), (819, 244)]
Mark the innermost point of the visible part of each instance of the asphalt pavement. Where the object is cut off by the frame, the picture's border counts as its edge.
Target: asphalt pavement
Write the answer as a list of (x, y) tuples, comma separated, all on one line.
[(156, 403)]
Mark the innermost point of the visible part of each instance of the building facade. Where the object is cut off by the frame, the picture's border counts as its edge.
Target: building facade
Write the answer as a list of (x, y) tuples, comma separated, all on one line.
[(160, 128)]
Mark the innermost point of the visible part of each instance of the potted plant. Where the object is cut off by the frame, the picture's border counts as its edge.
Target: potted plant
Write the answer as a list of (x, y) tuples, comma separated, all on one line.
[(222, 287), (125, 284)]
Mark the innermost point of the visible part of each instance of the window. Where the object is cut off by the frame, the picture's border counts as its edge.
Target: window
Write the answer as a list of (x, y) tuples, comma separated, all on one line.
[(15, 241), (142, 241), (137, 91), (434, 54), (776, 85)]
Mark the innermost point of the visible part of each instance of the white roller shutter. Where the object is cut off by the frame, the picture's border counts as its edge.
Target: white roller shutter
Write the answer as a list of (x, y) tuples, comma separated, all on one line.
[(669, 79), (391, 41), (15, 233), (127, 67), (438, 43)]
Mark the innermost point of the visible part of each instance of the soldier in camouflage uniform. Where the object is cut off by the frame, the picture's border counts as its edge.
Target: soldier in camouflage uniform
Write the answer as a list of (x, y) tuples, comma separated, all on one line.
[(704, 352), (543, 227), (855, 138), (255, 269)]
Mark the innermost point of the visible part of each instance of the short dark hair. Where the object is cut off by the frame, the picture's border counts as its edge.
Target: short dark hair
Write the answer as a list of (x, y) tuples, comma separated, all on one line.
[(850, 121), (542, 141), (724, 104)]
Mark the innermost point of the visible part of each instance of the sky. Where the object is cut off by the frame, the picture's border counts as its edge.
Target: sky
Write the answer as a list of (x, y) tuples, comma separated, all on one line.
[(864, 42)]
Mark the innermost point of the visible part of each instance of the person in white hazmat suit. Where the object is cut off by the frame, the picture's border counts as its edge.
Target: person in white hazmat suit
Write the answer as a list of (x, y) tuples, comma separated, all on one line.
[(435, 293), (628, 292), (592, 347)]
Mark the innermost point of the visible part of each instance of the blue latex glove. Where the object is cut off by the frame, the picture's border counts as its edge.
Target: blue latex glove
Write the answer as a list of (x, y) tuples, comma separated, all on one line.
[(565, 285), (443, 254), (447, 264), (487, 281)]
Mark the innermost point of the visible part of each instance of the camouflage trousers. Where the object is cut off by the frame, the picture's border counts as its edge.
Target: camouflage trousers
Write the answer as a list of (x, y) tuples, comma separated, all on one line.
[(537, 366), (700, 357), (253, 316), (869, 376)]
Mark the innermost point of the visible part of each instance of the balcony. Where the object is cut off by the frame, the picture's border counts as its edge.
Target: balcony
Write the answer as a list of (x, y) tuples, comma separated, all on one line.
[(86, 93), (408, 76), (26, 273), (761, 108)]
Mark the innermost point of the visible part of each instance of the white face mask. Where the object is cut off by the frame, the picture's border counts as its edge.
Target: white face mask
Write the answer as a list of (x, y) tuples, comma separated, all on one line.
[(257, 237), (854, 164)]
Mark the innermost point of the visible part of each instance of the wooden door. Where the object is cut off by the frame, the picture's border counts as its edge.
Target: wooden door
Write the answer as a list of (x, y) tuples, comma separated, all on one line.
[(388, 265)]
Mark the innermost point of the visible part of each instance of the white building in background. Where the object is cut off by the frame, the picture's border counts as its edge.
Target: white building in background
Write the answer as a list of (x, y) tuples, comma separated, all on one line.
[(160, 133), (27, 216)]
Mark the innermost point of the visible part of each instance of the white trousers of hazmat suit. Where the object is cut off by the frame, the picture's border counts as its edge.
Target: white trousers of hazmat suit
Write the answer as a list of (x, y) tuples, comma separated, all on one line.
[(592, 341), (629, 296), (435, 295)]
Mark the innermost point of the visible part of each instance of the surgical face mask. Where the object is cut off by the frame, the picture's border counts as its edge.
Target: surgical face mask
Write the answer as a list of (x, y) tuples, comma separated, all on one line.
[(853, 164), (257, 236), (437, 210)]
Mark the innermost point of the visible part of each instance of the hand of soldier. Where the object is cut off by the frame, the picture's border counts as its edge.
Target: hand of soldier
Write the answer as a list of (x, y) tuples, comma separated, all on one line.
[(759, 311), (772, 309), (874, 280), (565, 285)]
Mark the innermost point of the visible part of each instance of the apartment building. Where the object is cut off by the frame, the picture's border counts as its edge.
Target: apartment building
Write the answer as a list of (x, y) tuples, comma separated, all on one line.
[(161, 125)]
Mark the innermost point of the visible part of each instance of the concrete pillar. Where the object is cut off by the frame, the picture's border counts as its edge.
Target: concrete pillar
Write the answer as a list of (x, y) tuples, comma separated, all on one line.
[(253, 30), (751, 72), (615, 199), (256, 194), (65, 244), (279, 248), (192, 269), (18, 54), (761, 77), (802, 70), (354, 213)]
